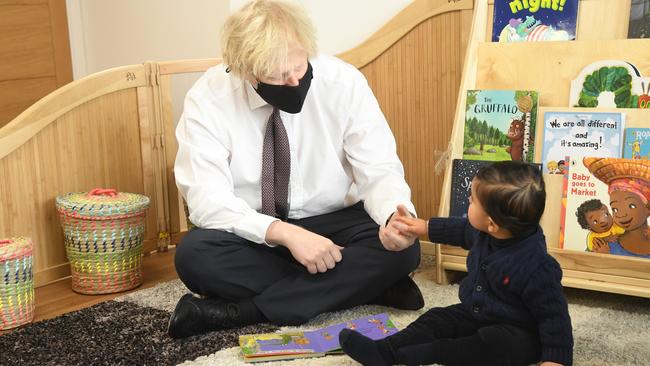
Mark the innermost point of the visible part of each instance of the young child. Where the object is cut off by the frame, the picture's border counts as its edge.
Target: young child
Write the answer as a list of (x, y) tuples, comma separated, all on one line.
[(594, 216), (512, 310)]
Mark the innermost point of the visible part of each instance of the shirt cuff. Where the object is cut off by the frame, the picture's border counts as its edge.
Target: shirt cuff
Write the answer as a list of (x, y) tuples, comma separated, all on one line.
[(253, 227), (389, 210)]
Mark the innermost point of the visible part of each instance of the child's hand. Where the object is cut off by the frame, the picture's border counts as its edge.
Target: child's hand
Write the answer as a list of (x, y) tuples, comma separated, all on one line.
[(600, 245), (411, 225)]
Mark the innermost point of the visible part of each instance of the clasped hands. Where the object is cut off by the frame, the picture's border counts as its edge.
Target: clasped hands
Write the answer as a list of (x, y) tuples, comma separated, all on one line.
[(319, 254)]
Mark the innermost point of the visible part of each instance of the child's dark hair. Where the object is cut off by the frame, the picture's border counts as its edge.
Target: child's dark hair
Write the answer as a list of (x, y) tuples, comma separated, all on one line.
[(587, 206), (512, 193)]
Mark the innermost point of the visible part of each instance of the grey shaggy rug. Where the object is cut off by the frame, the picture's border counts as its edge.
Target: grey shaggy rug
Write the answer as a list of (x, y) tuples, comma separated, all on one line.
[(608, 330)]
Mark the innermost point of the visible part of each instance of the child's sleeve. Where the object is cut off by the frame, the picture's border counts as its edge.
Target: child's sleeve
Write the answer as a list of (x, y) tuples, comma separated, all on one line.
[(544, 297), (452, 230)]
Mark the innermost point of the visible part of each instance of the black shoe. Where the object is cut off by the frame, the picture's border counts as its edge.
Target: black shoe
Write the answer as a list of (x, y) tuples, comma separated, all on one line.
[(193, 316), (404, 294)]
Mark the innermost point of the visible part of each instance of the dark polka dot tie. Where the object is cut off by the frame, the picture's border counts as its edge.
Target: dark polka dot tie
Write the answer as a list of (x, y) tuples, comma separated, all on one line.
[(276, 168)]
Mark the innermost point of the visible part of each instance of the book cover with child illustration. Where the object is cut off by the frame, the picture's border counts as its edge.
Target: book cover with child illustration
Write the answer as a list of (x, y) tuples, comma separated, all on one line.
[(316, 343), (607, 206), (637, 143), (500, 125), (534, 20), (580, 134)]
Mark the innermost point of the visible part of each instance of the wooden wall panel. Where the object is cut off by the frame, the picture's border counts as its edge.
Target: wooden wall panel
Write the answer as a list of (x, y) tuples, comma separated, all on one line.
[(26, 42), (35, 50), (94, 145), (17, 95), (61, 42), (416, 82), (22, 2)]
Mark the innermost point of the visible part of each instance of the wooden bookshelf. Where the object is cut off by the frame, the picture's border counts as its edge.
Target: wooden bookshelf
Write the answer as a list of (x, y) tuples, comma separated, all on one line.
[(549, 67)]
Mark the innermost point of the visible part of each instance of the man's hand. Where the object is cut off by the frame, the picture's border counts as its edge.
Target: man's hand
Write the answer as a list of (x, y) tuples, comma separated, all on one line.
[(391, 237), (315, 252)]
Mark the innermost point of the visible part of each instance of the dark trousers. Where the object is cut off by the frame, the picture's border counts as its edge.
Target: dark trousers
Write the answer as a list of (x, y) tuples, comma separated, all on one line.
[(451, 336), (219, 264)]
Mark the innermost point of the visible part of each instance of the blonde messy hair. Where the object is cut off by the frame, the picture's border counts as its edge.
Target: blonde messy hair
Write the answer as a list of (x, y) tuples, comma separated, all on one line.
[(256, 39)]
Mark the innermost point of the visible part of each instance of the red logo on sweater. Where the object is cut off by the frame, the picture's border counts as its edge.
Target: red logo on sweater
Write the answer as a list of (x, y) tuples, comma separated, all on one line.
[(506, 280)]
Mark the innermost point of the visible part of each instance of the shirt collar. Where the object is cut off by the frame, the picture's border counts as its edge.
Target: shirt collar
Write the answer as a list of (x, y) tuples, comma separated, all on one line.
[(254, 99)]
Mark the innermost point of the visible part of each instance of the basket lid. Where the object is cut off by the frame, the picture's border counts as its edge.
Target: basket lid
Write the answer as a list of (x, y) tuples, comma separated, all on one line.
[(101, 203), (13, 248)]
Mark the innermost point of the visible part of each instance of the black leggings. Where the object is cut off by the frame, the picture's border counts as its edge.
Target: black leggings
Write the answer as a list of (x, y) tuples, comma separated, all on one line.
[(451, 336)]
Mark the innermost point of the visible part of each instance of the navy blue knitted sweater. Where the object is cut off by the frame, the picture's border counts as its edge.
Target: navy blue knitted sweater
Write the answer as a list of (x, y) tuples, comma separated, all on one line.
[(518, 283)]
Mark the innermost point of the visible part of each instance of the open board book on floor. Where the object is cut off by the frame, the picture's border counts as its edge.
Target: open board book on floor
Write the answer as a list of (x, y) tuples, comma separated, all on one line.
[(315, 343)]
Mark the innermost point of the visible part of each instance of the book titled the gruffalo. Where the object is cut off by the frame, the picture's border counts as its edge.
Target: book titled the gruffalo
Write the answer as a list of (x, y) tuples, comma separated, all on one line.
[(315, 343), (500, 125)]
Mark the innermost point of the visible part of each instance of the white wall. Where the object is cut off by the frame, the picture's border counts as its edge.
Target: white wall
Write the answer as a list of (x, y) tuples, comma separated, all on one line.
[(121, 32), (106, 34), (111, 33), (343, 24)]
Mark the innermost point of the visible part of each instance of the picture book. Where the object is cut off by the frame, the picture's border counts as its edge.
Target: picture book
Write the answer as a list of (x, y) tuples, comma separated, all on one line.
[(639, 26), (579, 187), (637, 143), (500, 125), (610, 84), (462, 174), (316, 343), (530, 20), (604, 209), (578, 134)]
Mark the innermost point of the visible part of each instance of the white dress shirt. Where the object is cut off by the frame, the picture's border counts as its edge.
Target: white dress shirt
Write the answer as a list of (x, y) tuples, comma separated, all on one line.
[(342, 151)]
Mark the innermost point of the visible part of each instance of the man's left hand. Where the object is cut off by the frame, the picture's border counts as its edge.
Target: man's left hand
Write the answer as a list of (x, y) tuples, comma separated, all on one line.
[(391, 238)]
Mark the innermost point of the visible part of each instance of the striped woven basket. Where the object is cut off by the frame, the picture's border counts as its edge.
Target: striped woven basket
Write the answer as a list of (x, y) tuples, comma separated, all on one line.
[(104, 231), (17, 285)]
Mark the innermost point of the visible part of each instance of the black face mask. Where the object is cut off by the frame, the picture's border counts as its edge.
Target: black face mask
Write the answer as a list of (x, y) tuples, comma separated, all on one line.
[(287, 98)]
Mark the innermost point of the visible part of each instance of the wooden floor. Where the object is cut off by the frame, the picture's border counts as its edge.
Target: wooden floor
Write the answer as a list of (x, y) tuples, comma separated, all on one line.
[(58, 298)]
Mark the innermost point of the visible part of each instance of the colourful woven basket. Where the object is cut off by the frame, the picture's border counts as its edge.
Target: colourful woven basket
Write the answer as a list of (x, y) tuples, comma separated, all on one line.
[(104, 231), (17, 285)]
